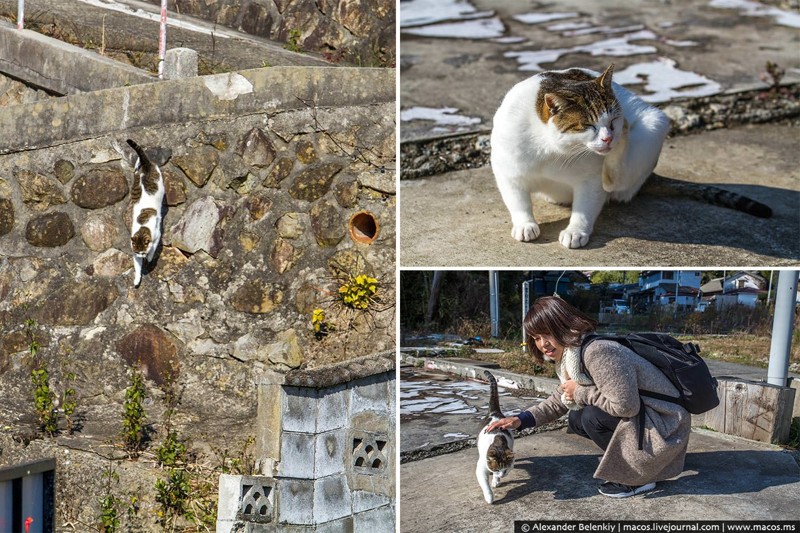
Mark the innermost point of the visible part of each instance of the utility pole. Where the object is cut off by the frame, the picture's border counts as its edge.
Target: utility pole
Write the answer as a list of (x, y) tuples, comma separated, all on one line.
[(494, 302), (785, 298)]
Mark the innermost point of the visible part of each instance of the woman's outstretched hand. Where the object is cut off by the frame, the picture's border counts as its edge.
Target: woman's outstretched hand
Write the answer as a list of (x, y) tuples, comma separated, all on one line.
[(510, 422)]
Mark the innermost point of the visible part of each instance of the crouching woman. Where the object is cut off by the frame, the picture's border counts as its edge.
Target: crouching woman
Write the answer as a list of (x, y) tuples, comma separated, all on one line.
[(604, 402)]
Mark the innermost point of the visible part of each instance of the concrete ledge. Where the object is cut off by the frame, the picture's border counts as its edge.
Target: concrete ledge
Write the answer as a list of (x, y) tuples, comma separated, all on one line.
[(59, 67), (258, 91), (509, 380), (339, 373)]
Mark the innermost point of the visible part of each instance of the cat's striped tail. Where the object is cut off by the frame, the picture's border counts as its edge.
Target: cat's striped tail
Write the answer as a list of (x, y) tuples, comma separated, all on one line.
[(143, 159), (494, 398), (661, 186)]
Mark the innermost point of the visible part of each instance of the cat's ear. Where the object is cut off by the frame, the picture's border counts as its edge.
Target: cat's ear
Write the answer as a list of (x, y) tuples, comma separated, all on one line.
[(605, 78), (554, 103)]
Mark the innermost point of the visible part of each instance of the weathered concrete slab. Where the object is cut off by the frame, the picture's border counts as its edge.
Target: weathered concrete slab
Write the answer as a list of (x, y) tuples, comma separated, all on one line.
[(180, 101), (60, 67), (459, 219), (469, 76), (724, 479)]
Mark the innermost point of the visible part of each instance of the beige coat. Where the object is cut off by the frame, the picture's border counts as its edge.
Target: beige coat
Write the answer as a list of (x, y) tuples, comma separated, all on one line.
[(618, 373)]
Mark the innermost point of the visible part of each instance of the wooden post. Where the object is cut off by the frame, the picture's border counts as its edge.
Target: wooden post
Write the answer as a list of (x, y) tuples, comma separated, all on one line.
[(752, 409)]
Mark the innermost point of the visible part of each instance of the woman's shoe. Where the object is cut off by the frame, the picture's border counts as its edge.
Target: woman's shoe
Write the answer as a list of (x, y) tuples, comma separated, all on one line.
[(618, 490)]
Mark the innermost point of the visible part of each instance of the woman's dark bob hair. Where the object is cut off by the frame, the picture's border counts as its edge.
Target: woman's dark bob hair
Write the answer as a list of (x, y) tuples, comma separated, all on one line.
[(550, 315)]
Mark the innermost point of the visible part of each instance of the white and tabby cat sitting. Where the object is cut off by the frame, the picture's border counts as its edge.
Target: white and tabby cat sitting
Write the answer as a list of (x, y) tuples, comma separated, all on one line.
[(147, 197), (495, 448), (575, 137)]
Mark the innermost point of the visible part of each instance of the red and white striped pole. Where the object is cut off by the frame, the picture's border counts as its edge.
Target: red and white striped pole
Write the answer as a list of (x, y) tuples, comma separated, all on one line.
[(162, 39), (20, 14)]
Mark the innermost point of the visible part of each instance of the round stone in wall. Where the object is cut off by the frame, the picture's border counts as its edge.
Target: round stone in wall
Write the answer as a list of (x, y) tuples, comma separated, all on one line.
[(327, 223), (64, 171), (314, 182), (100, 187), (50, 230), (6, 216), (99, 232)]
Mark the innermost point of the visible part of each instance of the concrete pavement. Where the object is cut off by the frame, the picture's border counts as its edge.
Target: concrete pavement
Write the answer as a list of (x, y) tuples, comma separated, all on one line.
[(451, 84), (725, 478), (459, 219)]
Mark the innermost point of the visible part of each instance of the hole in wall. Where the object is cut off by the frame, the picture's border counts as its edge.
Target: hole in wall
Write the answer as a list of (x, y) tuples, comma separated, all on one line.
[(364, 227)]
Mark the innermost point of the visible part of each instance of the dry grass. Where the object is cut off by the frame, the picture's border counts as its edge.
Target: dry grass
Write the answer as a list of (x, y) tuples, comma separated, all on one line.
[(741, 348)]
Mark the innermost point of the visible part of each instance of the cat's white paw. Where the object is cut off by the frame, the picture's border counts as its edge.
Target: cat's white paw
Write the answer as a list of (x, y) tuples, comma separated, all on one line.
[(525, 232), (489, 497), (573, 238), (495, 482)]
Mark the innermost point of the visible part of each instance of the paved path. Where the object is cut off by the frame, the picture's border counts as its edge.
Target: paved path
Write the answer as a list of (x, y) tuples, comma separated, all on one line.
[(725, 478), (454, 85), (459, 219), (714, 49)]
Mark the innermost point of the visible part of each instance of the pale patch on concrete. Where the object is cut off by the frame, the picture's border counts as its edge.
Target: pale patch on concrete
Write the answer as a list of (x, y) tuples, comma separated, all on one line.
[(663, 82), (538, 18), (615, 46), (122, 8), (445, 116), (228, 86), (422, 12), (489, 28), (749, 8)]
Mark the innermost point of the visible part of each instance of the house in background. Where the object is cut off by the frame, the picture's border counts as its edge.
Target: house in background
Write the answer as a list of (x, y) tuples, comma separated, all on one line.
[(667, 287), (741, 288), (544, 282)]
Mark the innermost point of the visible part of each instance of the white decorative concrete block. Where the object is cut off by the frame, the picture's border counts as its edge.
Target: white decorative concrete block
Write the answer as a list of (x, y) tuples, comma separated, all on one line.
[(331, 453), (332, 499), (370, 394), (333, 408), (297, 455), (300, 410), (230, 488), (379, 520), (296, 501), (366, 501)]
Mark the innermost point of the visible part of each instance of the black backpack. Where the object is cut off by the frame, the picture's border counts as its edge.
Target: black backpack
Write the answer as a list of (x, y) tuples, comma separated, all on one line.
[(678, 361)]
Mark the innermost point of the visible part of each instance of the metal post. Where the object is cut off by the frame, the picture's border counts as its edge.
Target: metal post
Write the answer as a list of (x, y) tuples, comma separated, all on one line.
[(769, 290), (20, 14), (162, 39), (494, 301), (785, 297), (526, 300)]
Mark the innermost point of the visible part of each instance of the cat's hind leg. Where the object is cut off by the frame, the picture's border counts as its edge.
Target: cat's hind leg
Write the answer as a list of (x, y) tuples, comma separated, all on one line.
[(631, 162)]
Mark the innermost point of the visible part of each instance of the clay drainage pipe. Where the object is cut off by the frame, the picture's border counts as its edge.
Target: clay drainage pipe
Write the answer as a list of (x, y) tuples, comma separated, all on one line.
[(364, 227)]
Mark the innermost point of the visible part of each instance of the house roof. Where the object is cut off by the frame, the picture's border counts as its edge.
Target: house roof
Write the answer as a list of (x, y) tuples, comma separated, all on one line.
[(715, 285)]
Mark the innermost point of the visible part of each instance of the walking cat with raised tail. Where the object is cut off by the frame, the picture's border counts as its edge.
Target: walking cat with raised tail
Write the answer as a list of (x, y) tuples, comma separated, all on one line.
[(575, 137), (147, 197), (495, 448)]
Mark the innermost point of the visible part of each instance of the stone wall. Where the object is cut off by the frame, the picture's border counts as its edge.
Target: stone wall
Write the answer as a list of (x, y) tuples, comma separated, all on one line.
[(328, 460), (264, 170), (357, 31)]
